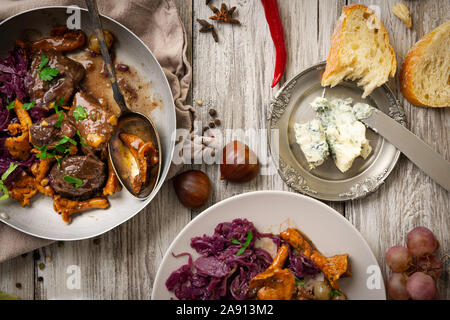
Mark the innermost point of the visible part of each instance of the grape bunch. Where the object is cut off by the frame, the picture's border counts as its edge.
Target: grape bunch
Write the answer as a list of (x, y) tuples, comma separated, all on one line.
[(415, 268)]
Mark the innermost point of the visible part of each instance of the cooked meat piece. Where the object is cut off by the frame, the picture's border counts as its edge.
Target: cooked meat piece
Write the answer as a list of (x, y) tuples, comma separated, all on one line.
[(62, 86), (46, 133), (66, 207), (78, 176), (98, 125)]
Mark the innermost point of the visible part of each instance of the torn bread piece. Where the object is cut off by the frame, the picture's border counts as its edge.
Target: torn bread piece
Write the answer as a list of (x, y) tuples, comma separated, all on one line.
[(360, 50)]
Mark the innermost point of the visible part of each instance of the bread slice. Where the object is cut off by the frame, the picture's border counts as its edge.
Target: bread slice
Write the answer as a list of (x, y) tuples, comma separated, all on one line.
[(360, 50), (425, 74)]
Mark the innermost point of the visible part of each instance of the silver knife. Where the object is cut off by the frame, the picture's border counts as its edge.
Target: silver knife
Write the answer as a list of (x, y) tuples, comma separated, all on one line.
[(421, 154)]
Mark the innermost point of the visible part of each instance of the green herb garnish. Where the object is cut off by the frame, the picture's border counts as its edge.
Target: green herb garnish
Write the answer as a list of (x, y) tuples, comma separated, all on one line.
[(43, 155), (44, 61), (56, 106), (83, 140), (60, 120), (28, 105), (66, 139), (334, 293), (299, 282), (12, 167), (233, 240), (246, 244), (11, 105), (77, 182), (79, 113), (5, 175), (60, 146), (46, 73)]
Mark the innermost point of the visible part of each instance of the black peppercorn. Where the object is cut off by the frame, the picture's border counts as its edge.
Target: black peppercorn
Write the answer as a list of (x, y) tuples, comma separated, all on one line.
[(212, 112)]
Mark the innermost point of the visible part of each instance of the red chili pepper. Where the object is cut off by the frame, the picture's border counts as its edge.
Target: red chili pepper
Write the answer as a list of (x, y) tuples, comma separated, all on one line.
[(277, 32)]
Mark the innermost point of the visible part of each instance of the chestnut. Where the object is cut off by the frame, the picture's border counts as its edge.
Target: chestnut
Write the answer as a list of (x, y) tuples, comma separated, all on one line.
[(192, 188), (239, 163)]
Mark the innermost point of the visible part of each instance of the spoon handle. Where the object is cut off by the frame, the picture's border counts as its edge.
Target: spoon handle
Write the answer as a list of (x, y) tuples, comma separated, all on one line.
[(98, 29)]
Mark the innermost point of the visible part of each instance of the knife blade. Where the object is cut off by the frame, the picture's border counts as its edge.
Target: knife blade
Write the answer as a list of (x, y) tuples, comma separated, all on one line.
[(420, 153)]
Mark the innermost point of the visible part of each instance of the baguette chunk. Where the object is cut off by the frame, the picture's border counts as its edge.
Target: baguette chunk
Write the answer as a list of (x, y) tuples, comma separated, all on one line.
[(360, 50), (425, 74)]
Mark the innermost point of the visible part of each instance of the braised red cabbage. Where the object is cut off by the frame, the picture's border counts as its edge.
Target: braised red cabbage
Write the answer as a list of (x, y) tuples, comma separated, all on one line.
[(13, 78), (219, 273)]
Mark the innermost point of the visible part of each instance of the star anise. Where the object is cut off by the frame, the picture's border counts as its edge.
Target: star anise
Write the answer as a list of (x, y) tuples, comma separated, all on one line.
[(208, 27), (224, 15)]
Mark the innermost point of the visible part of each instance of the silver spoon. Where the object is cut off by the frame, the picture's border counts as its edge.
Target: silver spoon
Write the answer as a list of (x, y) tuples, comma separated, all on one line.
[(129, 121)]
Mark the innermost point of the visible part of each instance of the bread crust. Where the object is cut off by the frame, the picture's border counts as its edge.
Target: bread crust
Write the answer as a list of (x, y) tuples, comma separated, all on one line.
[(410, 63), (336, 41)]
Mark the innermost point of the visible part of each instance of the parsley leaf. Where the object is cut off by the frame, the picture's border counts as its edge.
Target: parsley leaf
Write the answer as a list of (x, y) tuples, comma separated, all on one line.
[(60, 120), (47, 74), (299, 282), (10, 105), (233, 240), (5, 191), (83, 140), (12, 167), (76, 181), (246, 244), (334, 293), (29, 105), (79, 113), (60, 146), (44, 154), (44, 61), (66, 139), (56, 106)]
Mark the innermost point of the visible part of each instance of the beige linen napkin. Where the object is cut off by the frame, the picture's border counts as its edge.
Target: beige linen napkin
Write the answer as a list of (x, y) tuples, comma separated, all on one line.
[(157, 23)]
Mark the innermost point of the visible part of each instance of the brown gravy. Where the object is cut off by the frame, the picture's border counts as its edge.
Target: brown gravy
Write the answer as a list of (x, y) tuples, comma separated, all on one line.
[(136, 91)]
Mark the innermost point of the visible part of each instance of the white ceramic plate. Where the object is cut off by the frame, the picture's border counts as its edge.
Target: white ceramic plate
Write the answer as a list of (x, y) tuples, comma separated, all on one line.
[(40, 219), (273, 211)]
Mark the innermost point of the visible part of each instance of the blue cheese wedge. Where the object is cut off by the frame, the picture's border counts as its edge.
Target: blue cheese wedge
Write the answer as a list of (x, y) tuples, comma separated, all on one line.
[(345, 135), (311, 138)]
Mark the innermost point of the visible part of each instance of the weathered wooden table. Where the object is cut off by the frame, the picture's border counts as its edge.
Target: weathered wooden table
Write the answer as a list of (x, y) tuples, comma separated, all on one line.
[(234, 77)]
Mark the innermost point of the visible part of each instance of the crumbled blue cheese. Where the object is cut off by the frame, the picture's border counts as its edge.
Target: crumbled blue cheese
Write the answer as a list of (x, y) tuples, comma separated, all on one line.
[(311, 138), (345, 135), (362, 110)]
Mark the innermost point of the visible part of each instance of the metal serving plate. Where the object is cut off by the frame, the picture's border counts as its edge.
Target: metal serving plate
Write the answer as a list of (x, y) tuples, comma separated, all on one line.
[(326, 182), (40, 219)]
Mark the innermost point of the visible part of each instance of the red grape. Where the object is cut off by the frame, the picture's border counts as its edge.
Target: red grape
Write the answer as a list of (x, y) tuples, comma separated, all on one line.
[(430, 265), (421, 286), (421, 242), (398, 259), (396, 287)]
